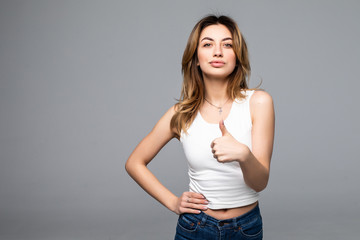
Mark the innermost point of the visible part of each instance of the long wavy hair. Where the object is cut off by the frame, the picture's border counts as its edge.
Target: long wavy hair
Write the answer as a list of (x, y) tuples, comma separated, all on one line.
[(193, 89)]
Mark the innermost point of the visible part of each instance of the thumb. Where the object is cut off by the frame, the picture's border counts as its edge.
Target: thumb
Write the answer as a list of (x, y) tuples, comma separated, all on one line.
[(223, 129)]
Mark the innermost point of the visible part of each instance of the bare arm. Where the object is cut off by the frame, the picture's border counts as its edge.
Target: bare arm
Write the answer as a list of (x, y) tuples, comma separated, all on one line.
[(255, 164), (146, 150)]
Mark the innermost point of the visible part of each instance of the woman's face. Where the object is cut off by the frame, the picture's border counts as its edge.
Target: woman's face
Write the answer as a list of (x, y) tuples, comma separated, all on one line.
[(215, 52)]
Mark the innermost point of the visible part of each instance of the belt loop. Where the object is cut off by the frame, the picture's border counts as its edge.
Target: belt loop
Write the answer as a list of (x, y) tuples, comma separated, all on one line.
[(235, 222), (203, 220)]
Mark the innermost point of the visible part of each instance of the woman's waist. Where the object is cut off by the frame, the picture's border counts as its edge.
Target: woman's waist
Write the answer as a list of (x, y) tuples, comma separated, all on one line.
[(222, 214)]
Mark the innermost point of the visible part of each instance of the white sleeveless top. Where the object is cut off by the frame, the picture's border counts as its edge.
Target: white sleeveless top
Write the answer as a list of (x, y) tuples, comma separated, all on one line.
[(222, 184)]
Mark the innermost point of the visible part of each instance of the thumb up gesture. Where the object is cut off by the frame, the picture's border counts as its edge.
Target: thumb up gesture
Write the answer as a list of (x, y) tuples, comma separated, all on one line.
[(226, 148), (223, 129)]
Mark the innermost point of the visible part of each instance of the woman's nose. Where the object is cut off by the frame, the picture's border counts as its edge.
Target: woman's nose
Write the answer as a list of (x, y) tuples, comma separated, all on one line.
[(218, 51)]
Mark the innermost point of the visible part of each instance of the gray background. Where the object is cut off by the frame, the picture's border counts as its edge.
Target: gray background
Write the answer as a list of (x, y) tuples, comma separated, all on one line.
[(83, 81)]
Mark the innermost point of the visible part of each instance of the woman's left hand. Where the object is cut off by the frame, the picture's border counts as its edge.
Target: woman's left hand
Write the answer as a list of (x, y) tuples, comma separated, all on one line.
[(227, 149)]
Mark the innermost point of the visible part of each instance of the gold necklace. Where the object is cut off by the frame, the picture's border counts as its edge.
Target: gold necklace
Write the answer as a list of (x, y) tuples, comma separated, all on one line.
[(218, 107)]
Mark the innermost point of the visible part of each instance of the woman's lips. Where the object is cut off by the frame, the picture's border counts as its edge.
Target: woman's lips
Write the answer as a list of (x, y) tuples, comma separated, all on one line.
[(217, 63)]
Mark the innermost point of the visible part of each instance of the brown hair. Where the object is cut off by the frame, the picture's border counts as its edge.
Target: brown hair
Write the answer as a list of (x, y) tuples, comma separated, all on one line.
[(193, 89)]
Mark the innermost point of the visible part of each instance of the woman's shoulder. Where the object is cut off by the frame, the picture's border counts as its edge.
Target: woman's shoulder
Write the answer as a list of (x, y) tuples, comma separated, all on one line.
[(261, 104), (170, 112), (162, 127), (260, 96), (254, 95)]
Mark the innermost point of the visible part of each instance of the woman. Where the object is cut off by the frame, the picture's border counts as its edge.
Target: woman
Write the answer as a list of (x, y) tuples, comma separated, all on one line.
[(227, 132)]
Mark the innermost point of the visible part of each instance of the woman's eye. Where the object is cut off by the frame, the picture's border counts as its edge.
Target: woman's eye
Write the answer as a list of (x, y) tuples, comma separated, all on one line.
[(207, 45), (229, 45)]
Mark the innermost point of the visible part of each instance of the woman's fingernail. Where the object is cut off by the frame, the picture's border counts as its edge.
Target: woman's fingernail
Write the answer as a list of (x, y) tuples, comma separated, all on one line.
[(206, 202), (205, 207)]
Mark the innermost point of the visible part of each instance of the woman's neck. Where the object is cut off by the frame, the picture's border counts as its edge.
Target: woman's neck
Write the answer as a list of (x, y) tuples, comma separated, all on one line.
[(216, 91)]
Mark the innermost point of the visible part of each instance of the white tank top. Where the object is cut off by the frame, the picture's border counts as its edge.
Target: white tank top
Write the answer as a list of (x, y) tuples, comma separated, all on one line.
[(222, 184)]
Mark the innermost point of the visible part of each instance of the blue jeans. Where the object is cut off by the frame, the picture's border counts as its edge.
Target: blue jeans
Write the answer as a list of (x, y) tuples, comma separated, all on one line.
[(203, 226)]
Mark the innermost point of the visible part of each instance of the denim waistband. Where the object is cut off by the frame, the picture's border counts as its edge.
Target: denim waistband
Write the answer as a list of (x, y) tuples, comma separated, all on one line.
[(204, 219)]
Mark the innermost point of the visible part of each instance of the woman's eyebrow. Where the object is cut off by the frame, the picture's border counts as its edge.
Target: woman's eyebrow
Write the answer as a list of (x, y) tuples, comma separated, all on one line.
[(207, 38), (210, 39)]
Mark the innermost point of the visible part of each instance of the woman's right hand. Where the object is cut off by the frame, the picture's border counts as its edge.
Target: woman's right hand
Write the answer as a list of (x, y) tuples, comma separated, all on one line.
[(190, 202)]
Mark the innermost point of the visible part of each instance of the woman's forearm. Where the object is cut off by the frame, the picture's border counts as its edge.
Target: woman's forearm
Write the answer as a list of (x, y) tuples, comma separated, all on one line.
[(256, 175), (147, 180)]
